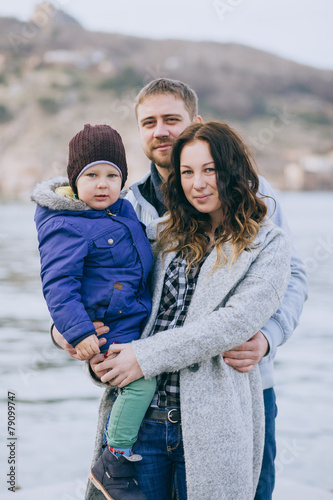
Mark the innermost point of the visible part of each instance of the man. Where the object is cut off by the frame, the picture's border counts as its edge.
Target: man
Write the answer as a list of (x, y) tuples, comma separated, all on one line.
[(164, 108)]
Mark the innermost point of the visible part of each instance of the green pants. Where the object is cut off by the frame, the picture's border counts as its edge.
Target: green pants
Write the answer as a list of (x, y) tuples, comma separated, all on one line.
[(128, 412)]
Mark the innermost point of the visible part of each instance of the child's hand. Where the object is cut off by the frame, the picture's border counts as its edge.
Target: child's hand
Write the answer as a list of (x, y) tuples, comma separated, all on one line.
[(88, 347)]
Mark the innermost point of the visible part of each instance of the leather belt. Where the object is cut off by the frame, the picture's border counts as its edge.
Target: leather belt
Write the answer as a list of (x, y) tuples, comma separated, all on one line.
[(172, 416)]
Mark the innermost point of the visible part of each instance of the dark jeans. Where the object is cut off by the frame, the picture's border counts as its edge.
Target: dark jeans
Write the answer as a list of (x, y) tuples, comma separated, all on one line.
[(161, 447), (267, 475), (163, 466)]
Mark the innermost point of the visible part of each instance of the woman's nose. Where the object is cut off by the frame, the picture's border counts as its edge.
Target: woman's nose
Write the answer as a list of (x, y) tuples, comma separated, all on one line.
[(199, 181)]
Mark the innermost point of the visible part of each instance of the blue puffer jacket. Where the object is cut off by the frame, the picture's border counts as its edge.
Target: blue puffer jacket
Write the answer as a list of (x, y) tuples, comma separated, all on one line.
[(94, 265)]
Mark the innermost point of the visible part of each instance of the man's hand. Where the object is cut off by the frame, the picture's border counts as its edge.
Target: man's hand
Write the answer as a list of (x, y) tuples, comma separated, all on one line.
[(60, 340), (245, 357), (119, 368)]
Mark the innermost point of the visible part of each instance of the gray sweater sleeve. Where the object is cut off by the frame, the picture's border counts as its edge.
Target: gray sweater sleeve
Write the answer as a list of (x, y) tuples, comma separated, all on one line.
[(253, 301)]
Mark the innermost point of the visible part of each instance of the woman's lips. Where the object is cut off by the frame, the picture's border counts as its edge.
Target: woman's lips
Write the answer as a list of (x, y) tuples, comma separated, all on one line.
[(203, 198)]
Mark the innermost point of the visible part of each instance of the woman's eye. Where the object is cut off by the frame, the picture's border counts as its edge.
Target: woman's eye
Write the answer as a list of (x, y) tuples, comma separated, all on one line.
[(186, 172), (209, 170)]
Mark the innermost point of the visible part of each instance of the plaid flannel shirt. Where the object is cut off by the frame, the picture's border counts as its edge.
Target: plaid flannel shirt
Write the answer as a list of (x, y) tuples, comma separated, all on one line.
[(177, 293)]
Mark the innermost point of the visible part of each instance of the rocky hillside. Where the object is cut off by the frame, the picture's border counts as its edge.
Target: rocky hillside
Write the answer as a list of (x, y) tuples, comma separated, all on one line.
[(55, 76)]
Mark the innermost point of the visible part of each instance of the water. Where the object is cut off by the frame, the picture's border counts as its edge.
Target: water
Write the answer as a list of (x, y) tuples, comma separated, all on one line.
[(304, 373), (56, 405)]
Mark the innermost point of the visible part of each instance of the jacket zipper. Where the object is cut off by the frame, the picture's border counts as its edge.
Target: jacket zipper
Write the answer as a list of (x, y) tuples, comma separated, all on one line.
[(110, 213)]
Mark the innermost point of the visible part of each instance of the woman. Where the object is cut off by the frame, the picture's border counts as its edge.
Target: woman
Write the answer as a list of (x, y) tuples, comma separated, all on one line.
[(221, 271)]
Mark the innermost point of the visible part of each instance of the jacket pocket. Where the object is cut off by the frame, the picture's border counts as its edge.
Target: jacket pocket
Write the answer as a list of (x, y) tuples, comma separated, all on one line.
[(115, 249), (118, 305), (112, 305)]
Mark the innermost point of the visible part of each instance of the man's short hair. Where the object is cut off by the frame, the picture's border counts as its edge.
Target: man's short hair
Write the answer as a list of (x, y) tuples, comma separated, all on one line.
[(174, 87)]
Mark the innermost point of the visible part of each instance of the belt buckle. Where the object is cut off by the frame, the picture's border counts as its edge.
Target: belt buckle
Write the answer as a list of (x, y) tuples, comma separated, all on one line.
[(170, 416)]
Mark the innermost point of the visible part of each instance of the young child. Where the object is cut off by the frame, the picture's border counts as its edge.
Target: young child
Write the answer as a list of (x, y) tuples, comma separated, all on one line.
[(95, 262)]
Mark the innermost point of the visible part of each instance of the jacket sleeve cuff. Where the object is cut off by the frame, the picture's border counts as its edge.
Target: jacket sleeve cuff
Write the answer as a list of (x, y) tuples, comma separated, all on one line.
[(91, 374), (78, 332), (273, 333)]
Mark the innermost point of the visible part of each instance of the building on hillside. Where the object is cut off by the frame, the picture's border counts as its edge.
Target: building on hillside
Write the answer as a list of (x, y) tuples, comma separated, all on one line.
[(313, 172)]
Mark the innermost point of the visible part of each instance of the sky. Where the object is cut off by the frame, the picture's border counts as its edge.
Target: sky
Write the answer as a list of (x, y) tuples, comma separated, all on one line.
[(300, 30)]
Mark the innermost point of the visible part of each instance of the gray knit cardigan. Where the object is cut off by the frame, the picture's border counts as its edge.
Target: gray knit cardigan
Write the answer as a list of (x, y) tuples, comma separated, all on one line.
[(222, 408)]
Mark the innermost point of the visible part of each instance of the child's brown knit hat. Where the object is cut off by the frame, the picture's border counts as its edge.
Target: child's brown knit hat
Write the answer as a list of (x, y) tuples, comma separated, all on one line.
[(92, 145)]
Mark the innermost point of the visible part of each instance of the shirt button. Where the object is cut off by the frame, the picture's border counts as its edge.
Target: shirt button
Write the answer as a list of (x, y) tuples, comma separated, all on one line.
[(110, 241), (120, 312), (194, 368)]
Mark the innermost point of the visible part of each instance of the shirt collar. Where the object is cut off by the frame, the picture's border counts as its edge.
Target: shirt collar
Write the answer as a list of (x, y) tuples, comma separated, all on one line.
[(157, 183)]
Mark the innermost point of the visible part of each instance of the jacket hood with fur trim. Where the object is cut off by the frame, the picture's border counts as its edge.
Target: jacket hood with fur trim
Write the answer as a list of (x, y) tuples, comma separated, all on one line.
[(44, 194)]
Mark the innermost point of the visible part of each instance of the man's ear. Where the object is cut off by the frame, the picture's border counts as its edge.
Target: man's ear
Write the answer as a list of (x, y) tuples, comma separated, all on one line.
[(198, 119)]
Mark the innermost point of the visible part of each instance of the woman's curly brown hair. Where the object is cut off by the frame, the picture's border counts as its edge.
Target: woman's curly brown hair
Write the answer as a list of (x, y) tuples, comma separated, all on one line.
[(242, 210)]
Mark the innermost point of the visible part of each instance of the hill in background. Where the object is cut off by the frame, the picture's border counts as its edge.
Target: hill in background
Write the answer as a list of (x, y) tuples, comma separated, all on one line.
[(55, 76)]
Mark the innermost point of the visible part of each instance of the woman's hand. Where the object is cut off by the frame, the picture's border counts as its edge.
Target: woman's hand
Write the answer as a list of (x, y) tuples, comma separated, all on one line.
[(119, 368), (95, 365)]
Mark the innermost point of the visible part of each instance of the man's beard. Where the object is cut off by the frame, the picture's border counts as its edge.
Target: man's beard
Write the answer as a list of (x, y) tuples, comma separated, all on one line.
[(160, 159), (162, 164)]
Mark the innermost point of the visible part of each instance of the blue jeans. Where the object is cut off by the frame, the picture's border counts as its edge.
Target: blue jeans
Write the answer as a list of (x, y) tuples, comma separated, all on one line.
[(267, 475), (163, 465), (161, 447)]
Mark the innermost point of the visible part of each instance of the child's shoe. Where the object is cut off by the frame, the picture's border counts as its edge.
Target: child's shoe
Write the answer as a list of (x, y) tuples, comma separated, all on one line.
[(113, 476)]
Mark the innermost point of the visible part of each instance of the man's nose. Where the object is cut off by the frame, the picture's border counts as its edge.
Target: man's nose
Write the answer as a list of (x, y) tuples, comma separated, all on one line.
[(161, 130)]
